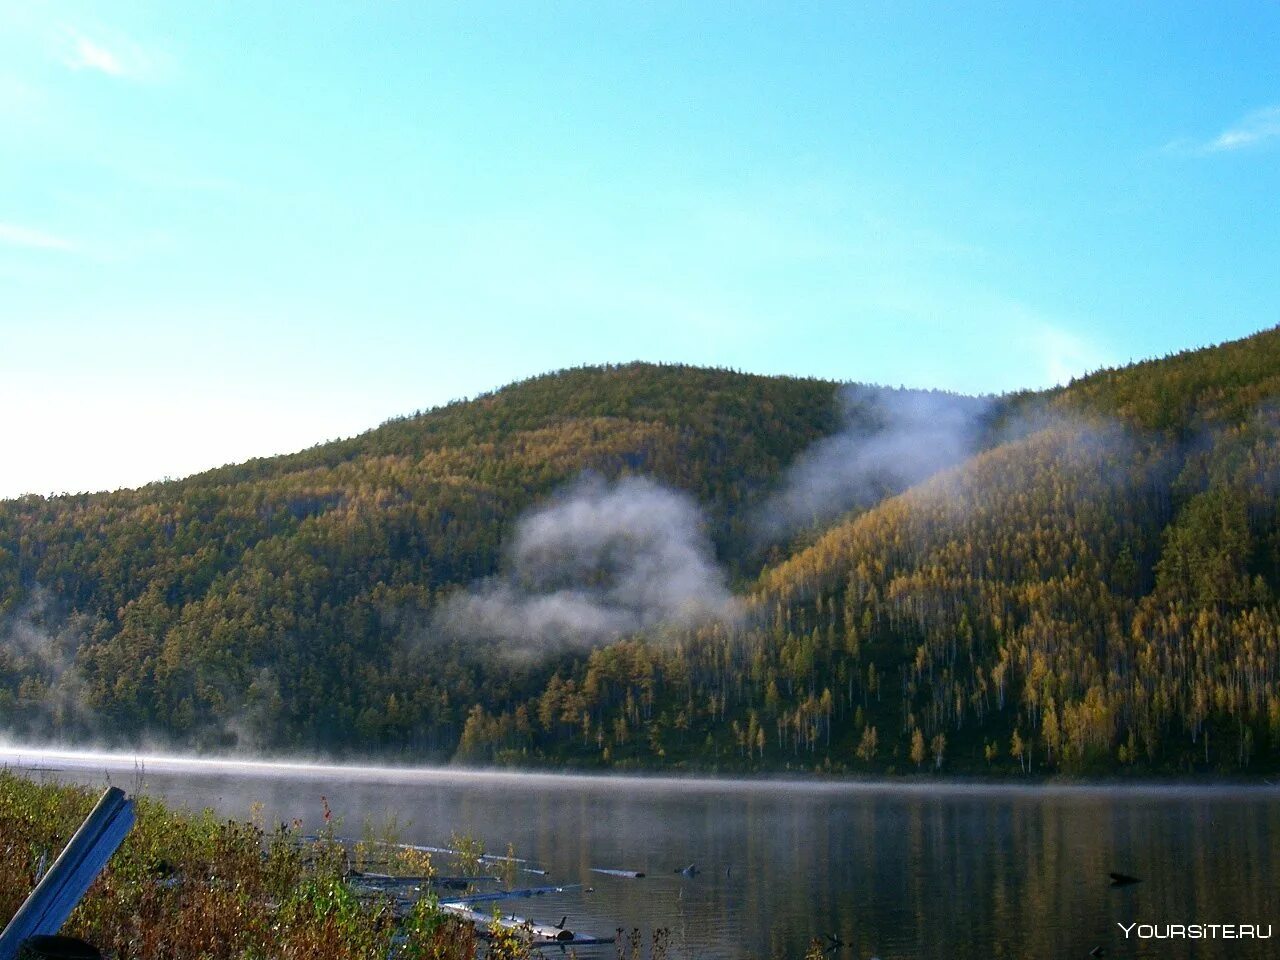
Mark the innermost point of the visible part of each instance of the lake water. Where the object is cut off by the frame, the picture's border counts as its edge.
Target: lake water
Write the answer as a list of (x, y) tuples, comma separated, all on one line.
[(937, 871)]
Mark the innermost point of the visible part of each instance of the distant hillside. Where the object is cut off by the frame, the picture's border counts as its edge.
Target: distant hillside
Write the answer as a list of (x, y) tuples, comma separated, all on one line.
[(1212, 386), (1099, 591), (266, 601), (1088, 583)]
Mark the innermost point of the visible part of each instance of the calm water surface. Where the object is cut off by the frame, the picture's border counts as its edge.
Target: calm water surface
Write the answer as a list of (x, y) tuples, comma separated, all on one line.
[(942, 872)]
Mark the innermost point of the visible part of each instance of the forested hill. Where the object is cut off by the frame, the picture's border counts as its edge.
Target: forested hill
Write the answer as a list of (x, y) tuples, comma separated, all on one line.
[(1222, 385), (1081, 580), (1097, 592), (273, 602)]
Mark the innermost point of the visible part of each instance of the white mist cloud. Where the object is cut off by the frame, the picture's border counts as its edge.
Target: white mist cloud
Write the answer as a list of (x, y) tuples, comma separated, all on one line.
[(599, 562), (39, 642), (891, 440)]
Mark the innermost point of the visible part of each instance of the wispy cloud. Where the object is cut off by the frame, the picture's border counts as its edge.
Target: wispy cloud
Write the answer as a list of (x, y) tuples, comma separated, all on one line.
[(114, 55), (88, 55), (1254, 128), (14, 235)]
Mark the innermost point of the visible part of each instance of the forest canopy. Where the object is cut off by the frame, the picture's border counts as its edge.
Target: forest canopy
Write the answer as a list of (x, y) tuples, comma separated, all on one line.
[(782, 573)]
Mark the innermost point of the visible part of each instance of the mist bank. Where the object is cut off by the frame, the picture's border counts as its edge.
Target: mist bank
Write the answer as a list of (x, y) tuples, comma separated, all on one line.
[(132, 769), (888, 440)]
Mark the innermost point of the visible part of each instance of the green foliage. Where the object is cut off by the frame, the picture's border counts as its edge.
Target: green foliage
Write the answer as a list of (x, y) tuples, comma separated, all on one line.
[(468, 853), (429, 934)]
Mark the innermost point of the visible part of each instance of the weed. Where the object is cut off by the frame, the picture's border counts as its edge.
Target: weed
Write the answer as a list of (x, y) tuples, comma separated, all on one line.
[(195, 886)]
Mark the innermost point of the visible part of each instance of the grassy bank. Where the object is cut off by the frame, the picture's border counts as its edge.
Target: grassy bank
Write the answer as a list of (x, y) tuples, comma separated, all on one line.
[(193, 886)]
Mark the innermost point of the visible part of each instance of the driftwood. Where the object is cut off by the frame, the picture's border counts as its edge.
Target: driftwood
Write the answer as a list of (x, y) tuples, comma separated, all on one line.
[(71, 875), (540, 933)]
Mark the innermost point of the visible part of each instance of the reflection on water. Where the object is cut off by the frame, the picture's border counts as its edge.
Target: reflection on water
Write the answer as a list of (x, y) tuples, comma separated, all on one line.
[(945, 872)]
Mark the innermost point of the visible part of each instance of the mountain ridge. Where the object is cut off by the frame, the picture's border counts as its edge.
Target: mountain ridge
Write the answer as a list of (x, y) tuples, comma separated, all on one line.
[(1091, 589)]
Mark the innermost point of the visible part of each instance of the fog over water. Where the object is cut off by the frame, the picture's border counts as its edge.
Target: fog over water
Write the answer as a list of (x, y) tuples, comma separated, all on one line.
[(914, 869)]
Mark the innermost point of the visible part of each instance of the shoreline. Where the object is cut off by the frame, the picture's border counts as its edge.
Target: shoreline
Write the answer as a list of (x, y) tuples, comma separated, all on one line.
[(61, 760)]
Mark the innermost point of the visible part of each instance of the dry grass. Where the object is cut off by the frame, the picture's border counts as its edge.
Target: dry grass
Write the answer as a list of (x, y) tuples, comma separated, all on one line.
[(192, 886)]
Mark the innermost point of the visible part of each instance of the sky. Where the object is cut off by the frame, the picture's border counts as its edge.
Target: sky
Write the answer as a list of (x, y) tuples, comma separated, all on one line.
[(236, 229)]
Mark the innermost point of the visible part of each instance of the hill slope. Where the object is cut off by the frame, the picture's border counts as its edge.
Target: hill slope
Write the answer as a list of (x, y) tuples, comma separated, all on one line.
[(267, 601), (1095, 589)]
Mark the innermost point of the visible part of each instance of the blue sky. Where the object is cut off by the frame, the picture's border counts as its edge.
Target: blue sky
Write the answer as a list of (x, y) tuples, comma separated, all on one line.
[(236, 229)]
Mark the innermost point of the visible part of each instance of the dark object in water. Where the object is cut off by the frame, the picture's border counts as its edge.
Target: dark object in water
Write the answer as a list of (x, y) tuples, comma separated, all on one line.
[(690, 871), (1098, 952), (1123, 880), (47, 947), (836, 943)]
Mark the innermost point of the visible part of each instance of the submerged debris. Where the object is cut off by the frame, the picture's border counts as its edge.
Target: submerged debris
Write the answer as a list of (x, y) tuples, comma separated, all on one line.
[(407, 890)]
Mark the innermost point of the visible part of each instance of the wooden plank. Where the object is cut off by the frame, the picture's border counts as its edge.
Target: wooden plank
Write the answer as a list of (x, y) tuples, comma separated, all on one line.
[(71, 875)]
